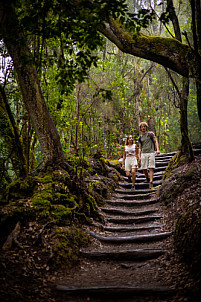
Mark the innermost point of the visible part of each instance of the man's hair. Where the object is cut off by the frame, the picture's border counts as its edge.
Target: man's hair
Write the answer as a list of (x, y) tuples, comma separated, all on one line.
[(143, 124)]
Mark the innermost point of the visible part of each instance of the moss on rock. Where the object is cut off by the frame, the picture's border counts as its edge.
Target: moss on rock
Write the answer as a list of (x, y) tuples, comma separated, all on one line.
[(187, 239), (182, 194), (67, 243), (20, 188), (53, 198), (180, 178), (176, 161)]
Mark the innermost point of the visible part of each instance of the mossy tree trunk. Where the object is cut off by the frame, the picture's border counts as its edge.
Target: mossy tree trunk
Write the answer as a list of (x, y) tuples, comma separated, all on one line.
[(186, 146), (10, 135), (41, 120)]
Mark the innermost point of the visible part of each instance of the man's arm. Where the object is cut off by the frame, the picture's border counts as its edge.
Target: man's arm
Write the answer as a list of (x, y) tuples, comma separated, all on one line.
[(157, 146), (139, 151)]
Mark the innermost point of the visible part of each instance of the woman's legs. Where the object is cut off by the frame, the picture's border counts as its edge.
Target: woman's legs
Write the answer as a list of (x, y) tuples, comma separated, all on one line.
[(133, 172), (128, 175)]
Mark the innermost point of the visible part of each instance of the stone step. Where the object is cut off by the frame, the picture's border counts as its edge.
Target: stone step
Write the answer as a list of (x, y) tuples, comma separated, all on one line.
[(163, 158), (163, 163), (133, 220), (144, 191), (139, 185), (197, 151), (142, 186), (131, 239), (126, 254), (157, 169), (140, 178), (132, 203), (155, 178), (141, 175), (171, 154), (114, 292), (130, 229), (128, 196), (114, 211)]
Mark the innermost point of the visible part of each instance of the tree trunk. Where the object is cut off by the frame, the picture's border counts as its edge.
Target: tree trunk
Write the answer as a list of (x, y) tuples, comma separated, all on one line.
[(41, 120), (186, 146), (10, 135), (198, 87)]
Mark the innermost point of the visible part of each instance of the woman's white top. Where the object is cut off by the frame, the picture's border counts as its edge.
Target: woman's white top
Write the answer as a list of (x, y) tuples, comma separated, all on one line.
[(130, 150)]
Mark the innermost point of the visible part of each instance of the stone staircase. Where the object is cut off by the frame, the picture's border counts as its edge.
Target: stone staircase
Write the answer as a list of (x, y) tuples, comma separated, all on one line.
[(123, 262)]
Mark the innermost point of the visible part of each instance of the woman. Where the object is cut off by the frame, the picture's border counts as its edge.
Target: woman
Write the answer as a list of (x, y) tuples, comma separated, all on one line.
[(129, 162)]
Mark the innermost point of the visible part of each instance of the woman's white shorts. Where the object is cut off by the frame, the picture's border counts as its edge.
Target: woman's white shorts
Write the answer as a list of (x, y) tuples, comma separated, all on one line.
[(130, 163)]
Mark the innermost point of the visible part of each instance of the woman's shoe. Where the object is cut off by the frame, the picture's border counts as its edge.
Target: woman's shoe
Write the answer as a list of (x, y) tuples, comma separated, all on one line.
[(133, 188)]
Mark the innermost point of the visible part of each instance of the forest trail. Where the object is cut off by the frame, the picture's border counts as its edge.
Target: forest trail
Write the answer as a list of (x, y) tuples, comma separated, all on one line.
[(123, 263)]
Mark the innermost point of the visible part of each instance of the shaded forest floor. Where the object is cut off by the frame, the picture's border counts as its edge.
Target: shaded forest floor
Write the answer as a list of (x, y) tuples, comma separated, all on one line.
[(25, 276)]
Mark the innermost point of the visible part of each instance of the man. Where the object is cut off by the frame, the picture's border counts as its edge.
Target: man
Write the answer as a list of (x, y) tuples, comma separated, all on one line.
[(147, 141)]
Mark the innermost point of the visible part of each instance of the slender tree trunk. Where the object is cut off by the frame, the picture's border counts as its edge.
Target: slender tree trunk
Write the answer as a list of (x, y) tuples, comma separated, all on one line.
[(198, 87), (10, 134), (41, 120), (186, 146)]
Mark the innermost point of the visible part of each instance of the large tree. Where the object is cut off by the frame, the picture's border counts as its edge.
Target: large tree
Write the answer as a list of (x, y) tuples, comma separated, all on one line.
[(77, 24), (18, 49), (75, 27), (185, 59)]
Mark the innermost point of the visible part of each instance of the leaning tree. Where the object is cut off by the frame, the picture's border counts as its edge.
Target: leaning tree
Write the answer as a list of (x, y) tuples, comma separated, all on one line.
[(185, 59), (77, 24)]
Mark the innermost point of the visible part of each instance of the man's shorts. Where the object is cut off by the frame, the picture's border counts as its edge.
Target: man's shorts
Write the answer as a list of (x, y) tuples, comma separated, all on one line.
[(147, 160), (130, 163)]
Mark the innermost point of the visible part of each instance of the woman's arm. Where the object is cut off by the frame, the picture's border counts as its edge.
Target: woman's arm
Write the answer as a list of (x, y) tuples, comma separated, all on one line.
[(124, 157), (136, 150)]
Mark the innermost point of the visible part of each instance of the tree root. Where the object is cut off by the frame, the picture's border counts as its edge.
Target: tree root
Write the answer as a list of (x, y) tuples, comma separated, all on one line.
[(13, 238)]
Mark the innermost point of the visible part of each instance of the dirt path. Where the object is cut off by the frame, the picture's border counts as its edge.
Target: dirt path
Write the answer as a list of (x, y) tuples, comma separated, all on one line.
[(125, 261)]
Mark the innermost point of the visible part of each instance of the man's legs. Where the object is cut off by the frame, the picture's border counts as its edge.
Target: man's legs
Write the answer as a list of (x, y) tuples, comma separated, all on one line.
[(151, 174), (148, 162), (144, 165), (146, 175)]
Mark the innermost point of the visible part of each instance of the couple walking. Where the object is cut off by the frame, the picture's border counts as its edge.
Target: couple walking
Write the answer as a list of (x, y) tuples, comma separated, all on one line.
[(145, 155)]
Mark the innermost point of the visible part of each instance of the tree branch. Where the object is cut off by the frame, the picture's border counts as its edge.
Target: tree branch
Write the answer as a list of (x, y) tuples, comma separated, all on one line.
[(165, 51)]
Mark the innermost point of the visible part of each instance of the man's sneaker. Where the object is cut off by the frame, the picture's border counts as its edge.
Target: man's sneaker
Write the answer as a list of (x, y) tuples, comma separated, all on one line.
[(133, 188), (147, 180), (151, 186)]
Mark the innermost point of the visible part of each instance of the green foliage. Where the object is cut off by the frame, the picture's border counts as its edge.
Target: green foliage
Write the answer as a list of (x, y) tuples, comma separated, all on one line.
[(193, 120), (134, 22), (20, 188)]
